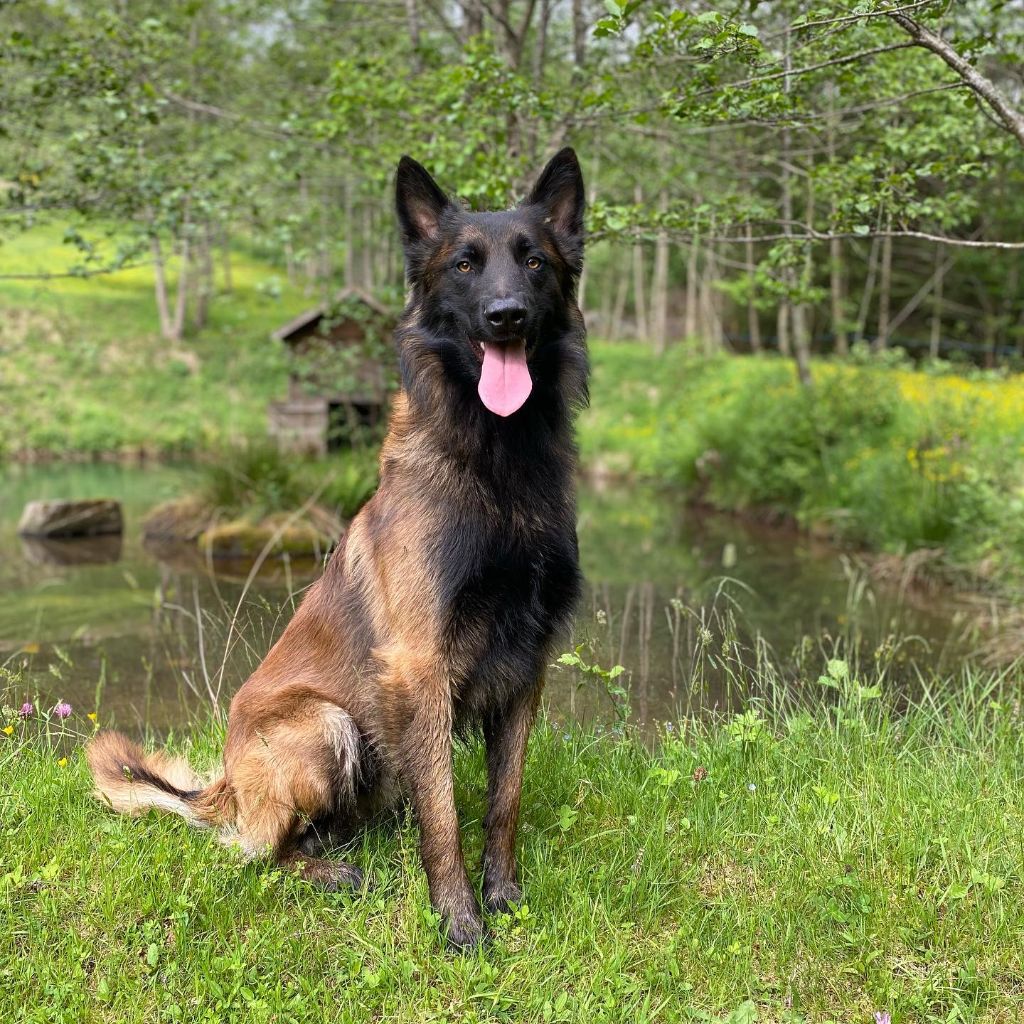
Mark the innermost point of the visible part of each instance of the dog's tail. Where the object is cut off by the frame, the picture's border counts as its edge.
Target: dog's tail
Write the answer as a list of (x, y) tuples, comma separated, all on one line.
[(132, 781)]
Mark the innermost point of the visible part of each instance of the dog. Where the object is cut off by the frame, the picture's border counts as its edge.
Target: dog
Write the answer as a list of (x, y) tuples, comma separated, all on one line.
[(442, 604)]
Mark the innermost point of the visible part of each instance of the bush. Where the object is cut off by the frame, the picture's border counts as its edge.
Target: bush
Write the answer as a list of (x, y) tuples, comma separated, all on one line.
[(882, 455)]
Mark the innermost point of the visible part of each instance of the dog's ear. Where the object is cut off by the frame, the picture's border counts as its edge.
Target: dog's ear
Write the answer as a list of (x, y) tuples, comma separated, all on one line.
[(419, 201), (559, 193)]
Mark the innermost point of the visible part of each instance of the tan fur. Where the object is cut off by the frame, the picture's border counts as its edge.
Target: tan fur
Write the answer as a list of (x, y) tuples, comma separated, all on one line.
[(361, 695)]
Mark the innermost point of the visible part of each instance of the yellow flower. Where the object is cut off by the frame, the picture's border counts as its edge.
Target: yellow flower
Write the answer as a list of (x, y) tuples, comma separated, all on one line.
[(62, 763), (91, 716), (9, 730)]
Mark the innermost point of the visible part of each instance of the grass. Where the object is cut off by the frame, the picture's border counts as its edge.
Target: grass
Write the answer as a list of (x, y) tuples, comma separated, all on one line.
[(86, 372), (792, 863), (875, 453)]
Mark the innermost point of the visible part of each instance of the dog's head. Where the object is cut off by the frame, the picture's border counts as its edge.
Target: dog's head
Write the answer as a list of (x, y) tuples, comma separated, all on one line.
[(493, 294)]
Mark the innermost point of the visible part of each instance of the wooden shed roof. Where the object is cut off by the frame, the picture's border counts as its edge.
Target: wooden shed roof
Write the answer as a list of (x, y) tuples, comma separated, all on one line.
[(311, 317)]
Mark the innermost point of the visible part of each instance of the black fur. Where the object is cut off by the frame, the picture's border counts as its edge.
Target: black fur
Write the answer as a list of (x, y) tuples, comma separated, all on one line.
[(507, 560)]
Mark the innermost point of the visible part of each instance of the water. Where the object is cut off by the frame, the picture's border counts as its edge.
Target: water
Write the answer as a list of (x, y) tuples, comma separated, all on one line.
[(678, 596)]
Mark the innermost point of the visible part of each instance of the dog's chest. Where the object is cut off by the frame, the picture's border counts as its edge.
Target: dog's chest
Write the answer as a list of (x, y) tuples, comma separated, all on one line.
[(507, 595)]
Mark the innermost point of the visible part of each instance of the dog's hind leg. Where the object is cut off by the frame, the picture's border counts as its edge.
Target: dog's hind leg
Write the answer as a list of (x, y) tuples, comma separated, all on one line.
[(302, 769)]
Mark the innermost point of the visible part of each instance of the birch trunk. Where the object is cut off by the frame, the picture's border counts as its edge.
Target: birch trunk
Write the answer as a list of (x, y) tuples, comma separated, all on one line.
[(885, 291), (659, 286), (639, 297)]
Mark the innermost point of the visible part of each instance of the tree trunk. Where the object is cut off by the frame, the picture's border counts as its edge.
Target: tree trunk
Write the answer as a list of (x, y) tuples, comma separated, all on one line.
[(837, 283), (838, 292), (350, 236), (801, 312), (160, 285), (412, 20), (204, 279), (935, 340), (225, 261), (579, 34), (885, 291), (639, 290), (178, 324), (659, 285), (753, 316), (692, 271), (472, 18), (714, 336), (368, 282), (782, 326), (581, 290), (619, 310), (866, 295)]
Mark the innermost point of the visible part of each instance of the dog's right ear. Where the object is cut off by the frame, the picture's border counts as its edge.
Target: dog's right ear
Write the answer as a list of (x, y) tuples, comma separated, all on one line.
[(419, 201)]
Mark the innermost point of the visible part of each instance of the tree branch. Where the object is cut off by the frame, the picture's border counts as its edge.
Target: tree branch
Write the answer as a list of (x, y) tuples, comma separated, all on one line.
[(1012, 119)]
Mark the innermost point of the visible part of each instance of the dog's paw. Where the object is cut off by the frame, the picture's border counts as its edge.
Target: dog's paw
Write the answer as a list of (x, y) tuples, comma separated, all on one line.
[(499, 897), (331, 875), (463, 932)]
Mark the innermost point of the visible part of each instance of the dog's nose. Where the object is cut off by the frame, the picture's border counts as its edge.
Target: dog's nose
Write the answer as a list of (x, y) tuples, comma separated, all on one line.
[(505, 314)]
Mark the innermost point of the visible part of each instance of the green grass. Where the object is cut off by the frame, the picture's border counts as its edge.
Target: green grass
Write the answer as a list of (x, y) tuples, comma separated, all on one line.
[(875, 454), (86, 372), (801, 865)]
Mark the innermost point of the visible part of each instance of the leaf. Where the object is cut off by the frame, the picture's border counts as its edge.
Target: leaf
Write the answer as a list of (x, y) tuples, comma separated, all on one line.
[(153, 954), (745, 1013), (613, 8)]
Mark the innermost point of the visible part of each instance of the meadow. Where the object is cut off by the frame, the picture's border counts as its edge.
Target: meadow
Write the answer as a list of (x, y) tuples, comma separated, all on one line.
[(85, 373), (833, 855), (877, 453)]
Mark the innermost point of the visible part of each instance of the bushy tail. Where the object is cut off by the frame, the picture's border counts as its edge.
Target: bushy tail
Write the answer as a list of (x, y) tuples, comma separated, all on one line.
[(132, 781)]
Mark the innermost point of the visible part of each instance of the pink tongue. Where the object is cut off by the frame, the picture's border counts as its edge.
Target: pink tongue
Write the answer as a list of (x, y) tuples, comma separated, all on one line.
[(505, 382)]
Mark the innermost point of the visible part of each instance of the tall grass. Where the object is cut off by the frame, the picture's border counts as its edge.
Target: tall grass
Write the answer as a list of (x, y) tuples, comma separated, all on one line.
[(256, 479), (795, 860)]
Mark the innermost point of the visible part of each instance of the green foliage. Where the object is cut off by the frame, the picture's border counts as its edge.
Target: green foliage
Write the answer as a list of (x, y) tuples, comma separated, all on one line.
[(253, 478), (256, 480), (875, 454)]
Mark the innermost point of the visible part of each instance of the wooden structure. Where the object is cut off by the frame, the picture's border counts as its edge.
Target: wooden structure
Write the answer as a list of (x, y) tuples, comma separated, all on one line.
[(340, 373)]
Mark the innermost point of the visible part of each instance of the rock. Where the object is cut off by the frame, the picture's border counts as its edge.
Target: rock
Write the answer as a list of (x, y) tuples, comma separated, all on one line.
[(71, 518), (182, 519)]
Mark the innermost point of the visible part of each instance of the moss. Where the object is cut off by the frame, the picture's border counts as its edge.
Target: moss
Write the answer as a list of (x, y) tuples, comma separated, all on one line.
[(240, 538)]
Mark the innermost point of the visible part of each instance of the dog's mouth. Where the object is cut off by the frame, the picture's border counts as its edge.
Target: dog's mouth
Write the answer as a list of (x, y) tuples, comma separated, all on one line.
[(505, 381)]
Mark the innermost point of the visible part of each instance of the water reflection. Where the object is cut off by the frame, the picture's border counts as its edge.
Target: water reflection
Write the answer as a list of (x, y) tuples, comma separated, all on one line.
[(79, 551), (685, 600)]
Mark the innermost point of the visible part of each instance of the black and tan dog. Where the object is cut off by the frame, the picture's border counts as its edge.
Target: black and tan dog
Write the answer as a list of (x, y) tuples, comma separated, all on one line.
[(439, 611)]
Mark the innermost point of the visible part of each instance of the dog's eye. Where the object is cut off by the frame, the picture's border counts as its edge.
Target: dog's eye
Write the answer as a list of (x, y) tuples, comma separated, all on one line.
[(463, 266), (533, 263)]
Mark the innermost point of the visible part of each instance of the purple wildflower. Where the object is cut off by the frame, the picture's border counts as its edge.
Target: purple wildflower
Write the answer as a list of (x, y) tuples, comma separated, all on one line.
[(27, 710), (62, 709), (883, 1017)]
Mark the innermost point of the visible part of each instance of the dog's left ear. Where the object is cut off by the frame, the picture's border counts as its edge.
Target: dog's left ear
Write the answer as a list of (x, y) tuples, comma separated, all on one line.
[(559, 192)]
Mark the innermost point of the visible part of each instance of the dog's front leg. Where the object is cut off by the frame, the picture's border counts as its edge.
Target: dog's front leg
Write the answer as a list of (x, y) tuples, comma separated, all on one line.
[(427, 765), (506, 734)]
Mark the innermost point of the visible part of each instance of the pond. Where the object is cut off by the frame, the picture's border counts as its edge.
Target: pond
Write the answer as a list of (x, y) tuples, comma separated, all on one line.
[(680, 597)]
